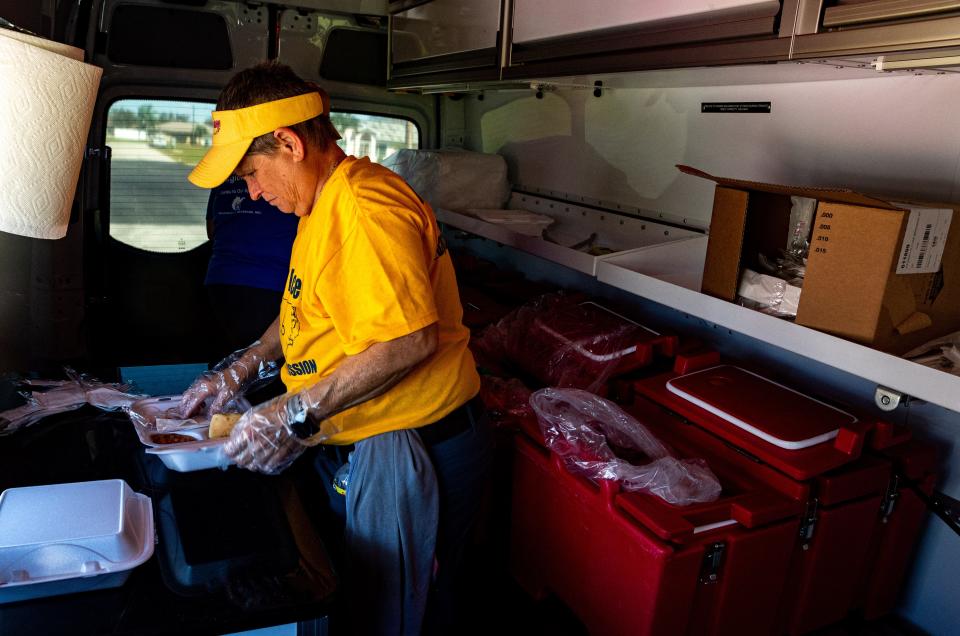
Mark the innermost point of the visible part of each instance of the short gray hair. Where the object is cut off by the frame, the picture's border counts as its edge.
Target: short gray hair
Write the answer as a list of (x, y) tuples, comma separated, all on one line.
[(269, 82)]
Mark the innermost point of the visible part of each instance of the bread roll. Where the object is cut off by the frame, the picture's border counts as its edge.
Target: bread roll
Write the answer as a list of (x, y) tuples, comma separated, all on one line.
[(222, 423)]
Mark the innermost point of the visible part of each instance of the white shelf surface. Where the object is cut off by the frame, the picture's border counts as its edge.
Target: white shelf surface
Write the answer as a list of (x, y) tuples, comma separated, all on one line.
[(884, 369)]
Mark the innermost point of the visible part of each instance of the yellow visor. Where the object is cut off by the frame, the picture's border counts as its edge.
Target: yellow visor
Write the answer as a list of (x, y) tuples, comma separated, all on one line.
[(234, 130)]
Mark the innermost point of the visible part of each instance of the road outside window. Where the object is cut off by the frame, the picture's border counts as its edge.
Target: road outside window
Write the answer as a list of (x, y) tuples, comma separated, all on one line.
[(156, 143)]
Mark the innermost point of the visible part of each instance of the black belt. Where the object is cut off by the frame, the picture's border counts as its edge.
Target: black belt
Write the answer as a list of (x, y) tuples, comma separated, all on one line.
[(447, 427)]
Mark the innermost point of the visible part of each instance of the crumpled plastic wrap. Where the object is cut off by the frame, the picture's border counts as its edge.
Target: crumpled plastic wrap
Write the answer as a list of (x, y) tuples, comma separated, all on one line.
[(164, 416), (942, 354), (242, 371), (768, 294), (262, 440), (564, 341), (454, 179), (48, 397), (506, 400), (581, 427)]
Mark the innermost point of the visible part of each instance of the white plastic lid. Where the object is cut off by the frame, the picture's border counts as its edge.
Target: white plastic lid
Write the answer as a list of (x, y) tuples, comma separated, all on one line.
[(72, 530)]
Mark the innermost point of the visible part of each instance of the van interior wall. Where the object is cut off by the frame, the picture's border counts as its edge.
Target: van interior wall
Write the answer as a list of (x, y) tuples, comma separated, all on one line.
[(41, 303), (894, 135), (15, 258)]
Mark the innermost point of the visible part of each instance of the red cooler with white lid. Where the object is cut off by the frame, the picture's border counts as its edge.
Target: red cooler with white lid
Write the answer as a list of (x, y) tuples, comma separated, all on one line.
[(806, 449), (630, 563)]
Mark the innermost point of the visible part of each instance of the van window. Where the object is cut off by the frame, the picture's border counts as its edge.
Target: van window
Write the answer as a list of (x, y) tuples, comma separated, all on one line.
[(374, 136), (155, 145)]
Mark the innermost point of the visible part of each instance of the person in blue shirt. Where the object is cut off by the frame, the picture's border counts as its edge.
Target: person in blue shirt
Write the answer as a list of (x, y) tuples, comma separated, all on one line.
[(248, 264)]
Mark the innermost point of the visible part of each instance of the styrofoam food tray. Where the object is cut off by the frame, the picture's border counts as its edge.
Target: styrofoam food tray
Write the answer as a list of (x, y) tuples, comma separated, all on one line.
[(200, 454), (74, 537)]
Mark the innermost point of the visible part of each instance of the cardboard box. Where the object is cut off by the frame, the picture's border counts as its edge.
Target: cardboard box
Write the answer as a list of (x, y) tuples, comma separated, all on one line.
[(858, 242)]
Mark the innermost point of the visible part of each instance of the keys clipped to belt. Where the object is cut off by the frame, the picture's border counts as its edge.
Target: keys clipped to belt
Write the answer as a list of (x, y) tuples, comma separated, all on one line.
[(342, 477)]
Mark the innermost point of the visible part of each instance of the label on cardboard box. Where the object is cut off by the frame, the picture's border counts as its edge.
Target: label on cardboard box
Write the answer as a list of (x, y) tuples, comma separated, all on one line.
[(924, 240)]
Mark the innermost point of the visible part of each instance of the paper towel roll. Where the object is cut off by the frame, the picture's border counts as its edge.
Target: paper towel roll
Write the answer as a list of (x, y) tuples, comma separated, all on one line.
[(45, 108)]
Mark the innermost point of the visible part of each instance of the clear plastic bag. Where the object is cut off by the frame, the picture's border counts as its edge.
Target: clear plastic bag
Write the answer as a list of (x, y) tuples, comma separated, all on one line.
[(454, 179), (48, 397), (563, 340), (506, 400), (581, 427), (768, 294), (243, 370), (942, 354)]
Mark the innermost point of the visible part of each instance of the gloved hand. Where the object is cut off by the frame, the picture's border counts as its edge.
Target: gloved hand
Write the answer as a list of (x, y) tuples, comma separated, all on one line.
[(229, 379), (261, 441)]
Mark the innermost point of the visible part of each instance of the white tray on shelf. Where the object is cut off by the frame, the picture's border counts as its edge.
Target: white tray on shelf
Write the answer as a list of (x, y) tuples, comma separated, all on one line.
[(572, 224)]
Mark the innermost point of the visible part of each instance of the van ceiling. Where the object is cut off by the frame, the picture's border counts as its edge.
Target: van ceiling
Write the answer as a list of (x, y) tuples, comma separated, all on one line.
[(142, 35), (358, 7)]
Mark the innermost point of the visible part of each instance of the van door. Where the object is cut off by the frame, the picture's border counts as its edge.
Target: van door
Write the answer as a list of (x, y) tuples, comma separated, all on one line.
[(146, 247)]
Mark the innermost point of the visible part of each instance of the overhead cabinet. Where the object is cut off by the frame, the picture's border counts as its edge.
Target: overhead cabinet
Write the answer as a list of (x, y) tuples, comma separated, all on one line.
[(846, 13), (435, 41), (603, 34), (866, 27), (537, 20)]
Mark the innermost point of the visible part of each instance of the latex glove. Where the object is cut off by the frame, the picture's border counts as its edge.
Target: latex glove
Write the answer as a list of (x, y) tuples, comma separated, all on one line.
[(261, 441), (229, 379)]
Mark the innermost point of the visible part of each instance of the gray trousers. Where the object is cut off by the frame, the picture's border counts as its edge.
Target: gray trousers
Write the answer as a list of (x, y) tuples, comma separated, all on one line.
[(393, 510), (408, 516)]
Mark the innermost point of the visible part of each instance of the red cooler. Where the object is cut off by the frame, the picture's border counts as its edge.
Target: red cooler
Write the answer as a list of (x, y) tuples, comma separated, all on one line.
[(566, 341), (899, 523), (629, 563), (806, 449)]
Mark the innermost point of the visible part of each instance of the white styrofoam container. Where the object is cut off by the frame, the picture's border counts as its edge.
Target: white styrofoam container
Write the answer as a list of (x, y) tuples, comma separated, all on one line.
[(74, 537), (572, 224), (201, 454), (191, 456)]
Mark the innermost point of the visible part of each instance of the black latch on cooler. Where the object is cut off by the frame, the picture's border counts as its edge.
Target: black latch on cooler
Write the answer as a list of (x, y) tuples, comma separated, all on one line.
[(809, 522), (712, 559), (890, 498)]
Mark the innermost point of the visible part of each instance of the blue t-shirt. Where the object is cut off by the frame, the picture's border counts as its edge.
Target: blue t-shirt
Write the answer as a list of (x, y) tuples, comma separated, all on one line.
[(251, 239)]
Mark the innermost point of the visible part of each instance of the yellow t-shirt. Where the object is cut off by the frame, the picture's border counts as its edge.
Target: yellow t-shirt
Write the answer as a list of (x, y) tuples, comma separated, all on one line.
[(369, 265)]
